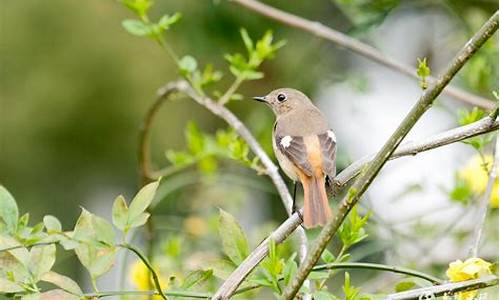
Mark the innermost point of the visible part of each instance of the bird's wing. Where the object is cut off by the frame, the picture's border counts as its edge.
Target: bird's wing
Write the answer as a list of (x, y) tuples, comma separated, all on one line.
[(294, 149), (328, 144)]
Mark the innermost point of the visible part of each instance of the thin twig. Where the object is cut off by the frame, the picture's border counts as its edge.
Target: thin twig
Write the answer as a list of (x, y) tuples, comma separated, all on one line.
[(193, 295), (367, 177), (482, 126), (345, 41), (447, 289), (485, 201), (146, 262), (379, 267)]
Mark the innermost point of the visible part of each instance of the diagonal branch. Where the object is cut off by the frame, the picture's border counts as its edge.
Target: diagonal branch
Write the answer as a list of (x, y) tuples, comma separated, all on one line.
[(367, 177), (345, 41), (485, 125), (447, 289)]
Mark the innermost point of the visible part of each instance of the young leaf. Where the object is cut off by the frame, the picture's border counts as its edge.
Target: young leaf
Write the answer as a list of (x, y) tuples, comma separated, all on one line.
[(95, 250), (142, 200), (8, 211), (166, 21), (52, 224), (246, 40), (62, 281), (234, 241), (41, 260), (404, 286), (327, 256), (196, 277), (120, 213), (187, 65), (137, 27), (290, 269), (324, 295)]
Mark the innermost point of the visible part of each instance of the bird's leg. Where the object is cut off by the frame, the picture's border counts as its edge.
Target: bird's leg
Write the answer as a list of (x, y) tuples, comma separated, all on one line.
[(294, 204)]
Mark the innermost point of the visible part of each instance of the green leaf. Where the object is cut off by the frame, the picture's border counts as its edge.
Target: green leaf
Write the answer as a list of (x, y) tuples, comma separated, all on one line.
[(140, 7), (142, 201), (195, 278), (95, 251), (423, 70), (194, 139), (290, 269), (187, 65), (324, 295), (466, 117), (246, 40), (327, 256), (120, 213), (140, 220), (137, 27), (166, 21), (42, 258), (234, 241), (52, 224), (8, 211), (404, 286), (62, 281), (349, 291)]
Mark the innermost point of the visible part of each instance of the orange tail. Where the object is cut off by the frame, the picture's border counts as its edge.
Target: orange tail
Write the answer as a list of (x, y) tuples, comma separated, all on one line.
[(316, 208)]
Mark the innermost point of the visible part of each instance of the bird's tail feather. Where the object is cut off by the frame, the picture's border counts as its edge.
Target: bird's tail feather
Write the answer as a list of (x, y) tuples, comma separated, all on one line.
[(317, 211)]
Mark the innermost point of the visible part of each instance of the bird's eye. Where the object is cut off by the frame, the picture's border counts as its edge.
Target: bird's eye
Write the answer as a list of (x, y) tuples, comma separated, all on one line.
[(281, 97)]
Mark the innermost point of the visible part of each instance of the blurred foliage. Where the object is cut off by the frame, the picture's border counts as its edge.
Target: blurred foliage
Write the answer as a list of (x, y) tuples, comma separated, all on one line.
[(78, 61)]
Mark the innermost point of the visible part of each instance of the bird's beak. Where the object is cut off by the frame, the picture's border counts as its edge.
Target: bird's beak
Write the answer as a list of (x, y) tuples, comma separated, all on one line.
[(260, 99)]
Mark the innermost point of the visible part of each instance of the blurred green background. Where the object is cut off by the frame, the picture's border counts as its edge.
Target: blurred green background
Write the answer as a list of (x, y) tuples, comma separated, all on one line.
[(74, 86)]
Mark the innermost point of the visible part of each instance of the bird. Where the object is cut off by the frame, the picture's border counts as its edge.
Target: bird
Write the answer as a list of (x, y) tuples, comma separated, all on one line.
[(305, 147)]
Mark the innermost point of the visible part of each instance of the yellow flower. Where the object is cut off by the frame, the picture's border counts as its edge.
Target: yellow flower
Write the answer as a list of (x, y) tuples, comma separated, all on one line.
[(475, 174), (140, 277), (472, 268)]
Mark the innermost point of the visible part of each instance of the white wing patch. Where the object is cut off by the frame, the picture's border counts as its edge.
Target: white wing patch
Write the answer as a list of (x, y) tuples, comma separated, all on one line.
[(285, 141), (332, 136)]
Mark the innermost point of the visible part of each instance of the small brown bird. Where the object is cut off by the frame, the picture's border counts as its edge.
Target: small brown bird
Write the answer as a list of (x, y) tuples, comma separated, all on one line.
[(305, 147)]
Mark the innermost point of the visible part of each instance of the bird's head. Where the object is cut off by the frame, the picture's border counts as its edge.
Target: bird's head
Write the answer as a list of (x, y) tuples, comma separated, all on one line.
[(285, 100)]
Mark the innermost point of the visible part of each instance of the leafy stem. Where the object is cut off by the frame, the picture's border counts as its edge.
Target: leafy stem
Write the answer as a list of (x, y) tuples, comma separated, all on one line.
[(231, 90), (148, 265)]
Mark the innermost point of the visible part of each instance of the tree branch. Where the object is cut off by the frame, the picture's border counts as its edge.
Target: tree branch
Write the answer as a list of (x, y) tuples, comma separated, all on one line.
[(485, 201), (345, 41), (485, 125), (482, 126), (364, 181), (447, 289)]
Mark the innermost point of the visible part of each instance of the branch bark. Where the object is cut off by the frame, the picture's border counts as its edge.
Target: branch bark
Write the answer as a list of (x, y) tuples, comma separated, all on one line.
[(364, 181), (447, 289), (345, 41), (485, 125)]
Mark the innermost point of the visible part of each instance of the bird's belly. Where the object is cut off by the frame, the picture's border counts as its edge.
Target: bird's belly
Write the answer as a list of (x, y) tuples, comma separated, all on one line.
[(285, 164)]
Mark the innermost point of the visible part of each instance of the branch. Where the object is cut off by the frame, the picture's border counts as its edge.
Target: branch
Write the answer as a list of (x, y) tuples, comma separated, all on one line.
[(478, 231), (182, 294), (364, 181), (482, 126), (345, 41), (445, 289), (379, 267)]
